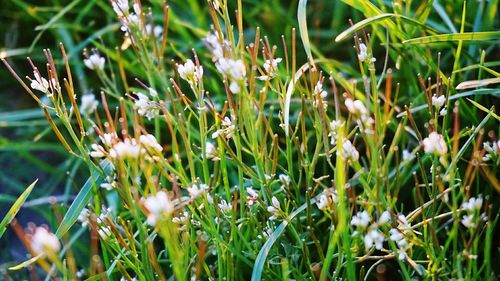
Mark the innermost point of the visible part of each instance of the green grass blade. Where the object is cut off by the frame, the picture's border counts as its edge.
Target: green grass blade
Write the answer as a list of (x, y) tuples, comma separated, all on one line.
[(468, 36), (372, 20), (304, 34), (264, 251), (489, 111), (15, 208), (82, 199)]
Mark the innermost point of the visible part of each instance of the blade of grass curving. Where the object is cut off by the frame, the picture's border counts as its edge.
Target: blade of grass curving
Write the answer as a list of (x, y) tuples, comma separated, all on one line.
[(264, 251), (444, 16), (15, 208), (477, 83), (468, 36), (288, 98), (26, 263), (467, 143), (489, 111), (304, 34), (493, 92), (373, 20), (82, 199)]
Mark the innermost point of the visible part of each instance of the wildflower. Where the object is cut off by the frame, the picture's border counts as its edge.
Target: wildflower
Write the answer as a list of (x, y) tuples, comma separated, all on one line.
[(149, 142), (319, 93), (83, 217), (109, 185), (39, 83), (270, 66), (473, 204), (492, 150), (335, 125), (252, 196), (190, 72), (126, 149), (362, 52), (216, 45), (196, 190), (435, 144), (158, 205), (97, 151), (384, 218), (356, 107), (234, 70), (361, 219), (109, 139), (348, 151), (44, 242), (152, 92), (399, 239), (215, 4), (156, 31), (120, 7), (373, 238), (327, 197), (146, 107), (211, 152), (181, 218), (285, 179), (438, 102), (94, 62), (89, 104), (227, 129), (468, 221), (224, 206), (443, 111), (274, 209)]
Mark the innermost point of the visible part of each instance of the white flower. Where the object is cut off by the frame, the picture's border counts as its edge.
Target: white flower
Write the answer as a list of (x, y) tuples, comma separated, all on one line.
[(328, 197), (473, 204), (234, 70), (83, 217), (158, 206), (362, 52), (252, 196), (272, 65), (468, 221), (97, 151), (145, 107), (438, 102), (322, 203), (227, 129), (234, 87), (373, 237), (356, 107), (399, 239), (94, 62), (285, 179), (274, 209), (149, 142), (108, 185), (211, 152), (348, 151), (126, 149), (120, 7), (196, 190), (108, 139), (216, 4), (152, 92), (43, 242), (319, 92), (181, 218), (190, 72), (361, 219), (385, 217), (89, 104), (435, 144), (214, 44), (492, 150), (335, 125), (39, 83), (443, 111), (224, 206), (157, 30)]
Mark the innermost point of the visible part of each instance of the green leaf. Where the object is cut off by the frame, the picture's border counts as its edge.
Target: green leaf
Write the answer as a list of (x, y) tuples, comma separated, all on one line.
[(489, 111), (468, 36), (82, 199), (15, 208)]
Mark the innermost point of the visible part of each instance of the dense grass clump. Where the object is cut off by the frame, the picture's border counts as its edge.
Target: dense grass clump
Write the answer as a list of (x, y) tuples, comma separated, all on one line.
[(248, 140)]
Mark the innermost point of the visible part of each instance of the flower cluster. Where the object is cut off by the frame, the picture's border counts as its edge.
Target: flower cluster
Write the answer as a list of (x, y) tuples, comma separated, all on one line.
[(471, 207), (435, 144), (158, 206)]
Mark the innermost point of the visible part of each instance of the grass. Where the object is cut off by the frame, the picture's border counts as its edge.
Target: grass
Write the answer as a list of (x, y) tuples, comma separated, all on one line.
[(276, 140)]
